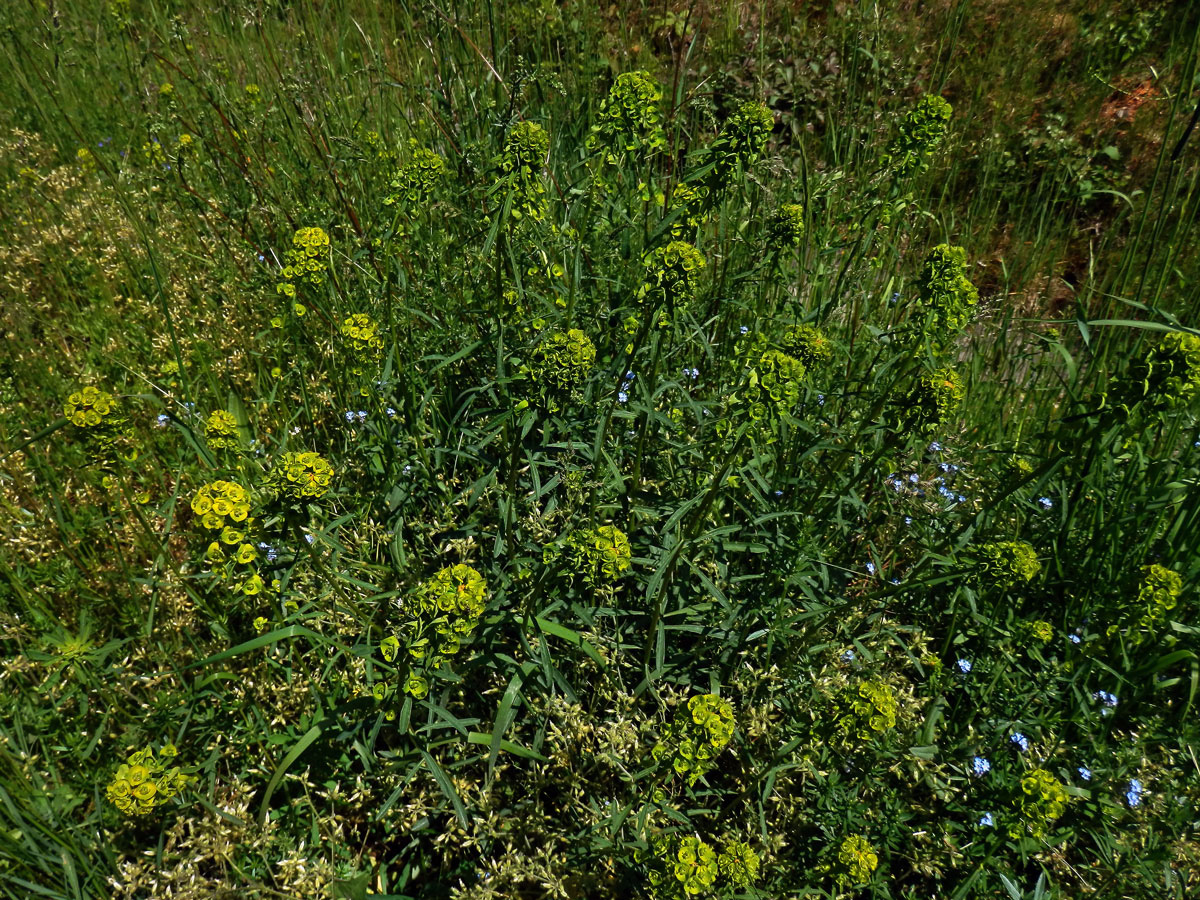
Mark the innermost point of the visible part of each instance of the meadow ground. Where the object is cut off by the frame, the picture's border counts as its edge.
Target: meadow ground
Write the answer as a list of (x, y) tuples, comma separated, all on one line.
[(566, 450)]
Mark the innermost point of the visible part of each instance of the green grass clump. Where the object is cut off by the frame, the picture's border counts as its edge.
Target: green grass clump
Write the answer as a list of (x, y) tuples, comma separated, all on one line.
[(567, 450)]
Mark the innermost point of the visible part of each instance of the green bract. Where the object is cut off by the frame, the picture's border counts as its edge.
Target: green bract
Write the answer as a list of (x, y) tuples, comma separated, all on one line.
[(740, 143), (598, 555), (413, 184), (220, 430), (670, 281), (696, 736), (947, 297), (144, 782), (563, 361), (1044, 799), (300, 476), (868, 710), (98, 418), (1168, 375), (920, 133), (858, 860), (306, 262), (808, 344), (1008, 563), (785, 226), (932, 401), (525, 149), (629, 116)]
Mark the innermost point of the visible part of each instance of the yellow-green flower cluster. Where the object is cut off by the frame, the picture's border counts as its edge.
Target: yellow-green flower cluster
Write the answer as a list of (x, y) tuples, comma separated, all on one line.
[(772, 386), (362, 335), (1157, 594), (414, 182), (868, 710), (1168, 375), (670, 280), (1044, 799), (629, 115), (932, 400), (688, 207), (97, 417), (306, 261), (300, 476), (785, 226), (947, 296), (600, 554), (1009, 563), (742, 140), (696, 736), (920, 133), (738, 863), (144, 781), (808, 344), (857, 860), (525, 150), (235, 563), (687, 866), (1036, 630), (222, 505), (444, 611), (220, 430), (563, 361)]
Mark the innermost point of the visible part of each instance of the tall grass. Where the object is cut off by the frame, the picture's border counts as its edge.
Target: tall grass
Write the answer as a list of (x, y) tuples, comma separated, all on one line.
[(818, 538)]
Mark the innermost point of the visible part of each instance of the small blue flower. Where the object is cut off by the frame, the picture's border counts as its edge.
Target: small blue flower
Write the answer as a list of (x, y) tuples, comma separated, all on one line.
[(820, 399), (871, 568), (980, 766), (1133, 796), (261, 258), (908, 520), (964, 666), (1021, 741), (1074, 638), (622, 396), (269, 550), (962, 499), (744, 329), (986, 821), (309, 538), (895, 298), (935, 447), (1085, 773), (1045, 502), (848, 656), (349, 416), (1106, 698), (391, 413), (913, 478), (163, 419), (779, 493), (629, 376), (692, 373)]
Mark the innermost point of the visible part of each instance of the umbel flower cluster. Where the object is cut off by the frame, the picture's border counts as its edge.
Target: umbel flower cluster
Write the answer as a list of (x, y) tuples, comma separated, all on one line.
[(146, 781), (1005, 564), (300, 476), (629, 117), (1044, 799), (1168, 375), (772, 385), (808, 344), (686, 866), (525, 150), (1157, 594), (739, 145), (98, 418), (224, 507), (932, 401), (362, 336), (696, 736), (868, 710), (598, 555), (947, 297), (443, 611), (306, 261), (670, 280), (220, 430), (857, 860), (413, 184), (562, 362), (920, 133), (785, 226)]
